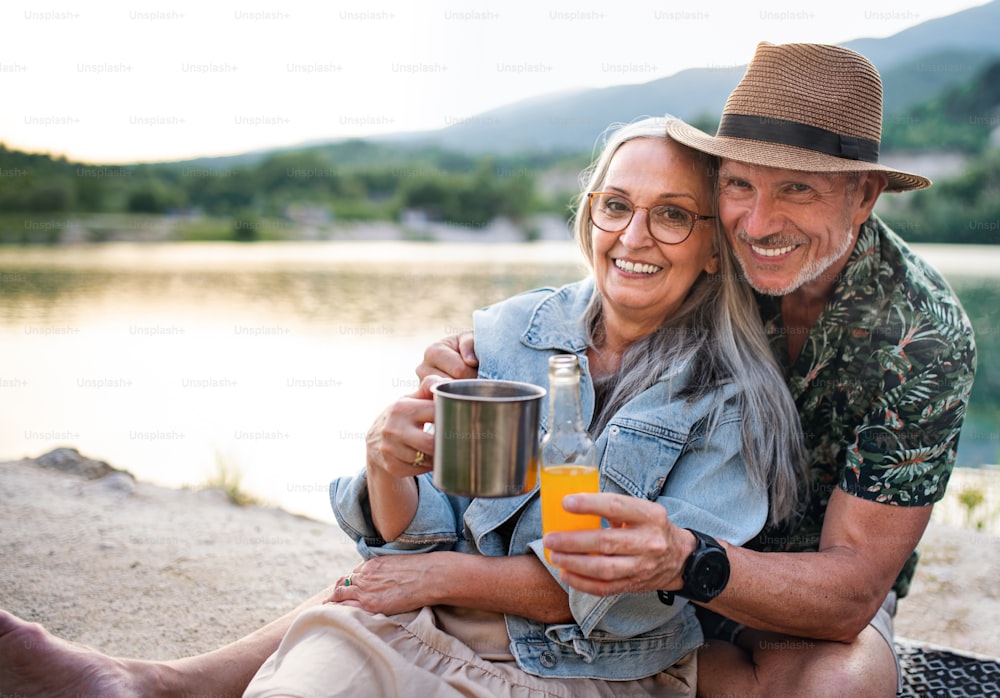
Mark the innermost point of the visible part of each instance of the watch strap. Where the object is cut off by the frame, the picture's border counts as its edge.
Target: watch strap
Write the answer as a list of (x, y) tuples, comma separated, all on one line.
[(702, 541)]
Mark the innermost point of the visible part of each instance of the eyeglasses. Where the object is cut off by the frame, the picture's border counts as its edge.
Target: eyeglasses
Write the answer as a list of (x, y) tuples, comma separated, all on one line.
[(666, 223)]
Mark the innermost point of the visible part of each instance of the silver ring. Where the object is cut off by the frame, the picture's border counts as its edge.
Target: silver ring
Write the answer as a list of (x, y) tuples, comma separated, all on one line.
[(419, 460), (347, 582)]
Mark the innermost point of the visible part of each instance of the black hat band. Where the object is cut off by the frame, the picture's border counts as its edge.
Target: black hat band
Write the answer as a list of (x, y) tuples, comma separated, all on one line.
[(764, 128)]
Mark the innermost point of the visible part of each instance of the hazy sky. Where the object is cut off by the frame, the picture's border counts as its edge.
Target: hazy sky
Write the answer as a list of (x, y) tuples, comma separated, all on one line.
[(128, 81)]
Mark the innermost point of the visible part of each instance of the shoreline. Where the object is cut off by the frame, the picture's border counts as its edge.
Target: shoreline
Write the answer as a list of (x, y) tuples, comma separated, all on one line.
[(448, 244), (136, 569)]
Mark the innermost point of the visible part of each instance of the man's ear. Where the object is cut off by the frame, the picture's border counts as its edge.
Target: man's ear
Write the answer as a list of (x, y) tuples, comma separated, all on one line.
[(870, 187)]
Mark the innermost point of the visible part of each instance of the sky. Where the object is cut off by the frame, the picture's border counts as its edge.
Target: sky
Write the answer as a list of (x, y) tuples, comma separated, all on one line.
[(117, 82)]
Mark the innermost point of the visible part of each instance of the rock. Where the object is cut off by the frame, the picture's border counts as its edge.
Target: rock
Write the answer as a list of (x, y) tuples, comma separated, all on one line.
[(119, 481), (69, 460)]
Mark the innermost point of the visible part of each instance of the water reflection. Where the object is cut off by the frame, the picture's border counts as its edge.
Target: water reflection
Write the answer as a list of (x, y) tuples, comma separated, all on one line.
[(166, 366), (980, 442)]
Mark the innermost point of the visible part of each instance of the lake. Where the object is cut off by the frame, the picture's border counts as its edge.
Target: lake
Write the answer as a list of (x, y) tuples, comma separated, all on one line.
[(273, 359)]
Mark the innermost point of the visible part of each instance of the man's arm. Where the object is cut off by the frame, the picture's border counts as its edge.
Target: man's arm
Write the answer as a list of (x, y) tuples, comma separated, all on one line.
[(451, 357), (831, 594), (834, 593)]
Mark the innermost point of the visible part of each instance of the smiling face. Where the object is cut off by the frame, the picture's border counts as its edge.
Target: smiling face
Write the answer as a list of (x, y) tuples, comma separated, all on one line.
[(642, 281), (793, 230)]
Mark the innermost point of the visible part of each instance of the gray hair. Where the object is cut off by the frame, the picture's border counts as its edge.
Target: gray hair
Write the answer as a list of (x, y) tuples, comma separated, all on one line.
[(719, 332)]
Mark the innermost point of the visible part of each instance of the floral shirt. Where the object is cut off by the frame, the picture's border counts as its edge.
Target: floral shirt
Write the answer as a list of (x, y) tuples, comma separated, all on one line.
[(882, 383)]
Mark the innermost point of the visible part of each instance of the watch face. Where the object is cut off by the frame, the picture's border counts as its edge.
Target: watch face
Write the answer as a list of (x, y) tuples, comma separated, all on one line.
[(707, 570), (711, 573)]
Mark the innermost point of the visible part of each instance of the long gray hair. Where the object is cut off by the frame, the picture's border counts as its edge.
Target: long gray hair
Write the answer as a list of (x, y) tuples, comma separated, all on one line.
[(719, 331)]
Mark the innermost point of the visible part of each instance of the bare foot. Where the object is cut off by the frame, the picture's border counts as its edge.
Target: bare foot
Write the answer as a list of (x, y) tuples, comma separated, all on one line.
[(33, 662)]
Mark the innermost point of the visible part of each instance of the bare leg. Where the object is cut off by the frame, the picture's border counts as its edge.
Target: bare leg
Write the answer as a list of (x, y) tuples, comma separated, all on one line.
[(35, 663), (769, 664)]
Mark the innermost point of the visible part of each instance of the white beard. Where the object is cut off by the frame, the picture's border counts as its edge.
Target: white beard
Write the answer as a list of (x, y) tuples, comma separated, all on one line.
[(809, 271)]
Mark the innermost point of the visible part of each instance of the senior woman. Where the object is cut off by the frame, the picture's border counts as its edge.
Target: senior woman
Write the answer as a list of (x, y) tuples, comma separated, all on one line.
[(686, 407)]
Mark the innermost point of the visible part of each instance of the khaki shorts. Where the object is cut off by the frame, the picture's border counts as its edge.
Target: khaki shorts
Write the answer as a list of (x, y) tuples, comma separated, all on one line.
[(882, 622), (336, 650)]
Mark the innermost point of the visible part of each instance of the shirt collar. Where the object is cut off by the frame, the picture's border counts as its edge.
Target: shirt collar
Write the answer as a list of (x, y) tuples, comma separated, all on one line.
[(557, 322)]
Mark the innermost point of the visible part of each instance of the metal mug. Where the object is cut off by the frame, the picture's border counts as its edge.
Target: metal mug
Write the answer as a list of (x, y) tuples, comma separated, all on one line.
[(486, 437)]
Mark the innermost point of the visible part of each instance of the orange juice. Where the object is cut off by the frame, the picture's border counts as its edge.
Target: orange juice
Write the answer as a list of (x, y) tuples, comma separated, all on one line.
[(557, 482)]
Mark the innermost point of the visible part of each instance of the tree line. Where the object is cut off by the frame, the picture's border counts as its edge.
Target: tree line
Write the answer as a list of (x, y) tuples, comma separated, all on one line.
[(351, 181)]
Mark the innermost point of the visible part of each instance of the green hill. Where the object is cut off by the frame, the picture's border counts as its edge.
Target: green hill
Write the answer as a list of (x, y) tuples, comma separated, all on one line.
[(960, 117), (908, 84), (964, 208)]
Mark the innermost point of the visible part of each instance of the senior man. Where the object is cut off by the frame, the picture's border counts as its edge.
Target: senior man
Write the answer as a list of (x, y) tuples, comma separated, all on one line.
[(880, 358)]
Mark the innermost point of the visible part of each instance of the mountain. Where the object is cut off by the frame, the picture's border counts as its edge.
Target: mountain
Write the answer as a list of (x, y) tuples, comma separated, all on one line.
[(973, 30), (573, 121), (914, 63)]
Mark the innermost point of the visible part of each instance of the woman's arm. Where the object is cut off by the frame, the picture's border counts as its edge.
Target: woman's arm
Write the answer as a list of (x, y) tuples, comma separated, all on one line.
[(518, 585), (392, 445)]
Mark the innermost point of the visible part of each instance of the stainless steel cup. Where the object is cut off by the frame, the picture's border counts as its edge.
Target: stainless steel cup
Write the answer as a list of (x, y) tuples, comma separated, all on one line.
[(486, 437)]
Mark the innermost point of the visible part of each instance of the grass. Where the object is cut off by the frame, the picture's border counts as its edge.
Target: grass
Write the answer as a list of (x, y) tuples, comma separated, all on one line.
[(229, 478), (972, 500)]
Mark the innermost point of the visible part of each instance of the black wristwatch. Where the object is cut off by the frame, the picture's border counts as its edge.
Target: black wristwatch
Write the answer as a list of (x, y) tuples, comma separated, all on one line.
[(706, 571)]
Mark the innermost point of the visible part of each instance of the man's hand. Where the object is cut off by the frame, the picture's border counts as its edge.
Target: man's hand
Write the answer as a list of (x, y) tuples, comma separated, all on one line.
[(641, 552), (452, 357)]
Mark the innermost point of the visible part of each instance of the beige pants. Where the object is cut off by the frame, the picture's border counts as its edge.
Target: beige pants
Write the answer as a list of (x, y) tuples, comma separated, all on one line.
[(335, 650)]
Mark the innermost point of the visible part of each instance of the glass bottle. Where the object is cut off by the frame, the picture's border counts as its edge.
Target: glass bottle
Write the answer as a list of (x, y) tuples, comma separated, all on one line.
[(568, 456)]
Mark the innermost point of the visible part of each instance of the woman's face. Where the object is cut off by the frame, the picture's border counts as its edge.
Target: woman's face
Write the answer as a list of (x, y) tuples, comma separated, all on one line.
[(643, 281)]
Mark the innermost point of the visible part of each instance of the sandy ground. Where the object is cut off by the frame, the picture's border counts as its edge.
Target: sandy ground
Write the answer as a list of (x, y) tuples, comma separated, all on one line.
[(139, 570)]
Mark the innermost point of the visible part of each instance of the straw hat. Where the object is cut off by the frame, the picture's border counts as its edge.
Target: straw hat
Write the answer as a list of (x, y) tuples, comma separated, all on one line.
[(806, 107)]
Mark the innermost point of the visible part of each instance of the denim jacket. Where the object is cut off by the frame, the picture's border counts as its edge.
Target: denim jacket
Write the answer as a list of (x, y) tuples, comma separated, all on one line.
[(656, 448)]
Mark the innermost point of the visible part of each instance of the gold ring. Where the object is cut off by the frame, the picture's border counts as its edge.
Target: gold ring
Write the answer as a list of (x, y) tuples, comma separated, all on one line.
[(419, 460)]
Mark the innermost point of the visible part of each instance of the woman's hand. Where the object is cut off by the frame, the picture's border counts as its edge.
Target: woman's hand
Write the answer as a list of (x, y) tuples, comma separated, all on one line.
[(518, 584), (397, 442), (392, 583), (398, 449), (452, 357), (641, 552)]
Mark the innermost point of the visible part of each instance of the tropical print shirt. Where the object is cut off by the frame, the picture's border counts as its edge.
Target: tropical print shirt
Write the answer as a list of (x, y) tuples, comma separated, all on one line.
[(882, 384)]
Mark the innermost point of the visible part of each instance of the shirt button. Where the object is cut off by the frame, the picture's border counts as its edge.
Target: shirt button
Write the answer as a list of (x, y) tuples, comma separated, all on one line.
[(548, 659), (614, 431)]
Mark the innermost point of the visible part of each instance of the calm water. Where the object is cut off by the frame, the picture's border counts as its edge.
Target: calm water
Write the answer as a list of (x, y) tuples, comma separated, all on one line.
[(274, 359)]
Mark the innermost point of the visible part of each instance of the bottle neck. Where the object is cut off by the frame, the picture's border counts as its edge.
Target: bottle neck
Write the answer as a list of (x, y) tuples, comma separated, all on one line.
[(565, 410)]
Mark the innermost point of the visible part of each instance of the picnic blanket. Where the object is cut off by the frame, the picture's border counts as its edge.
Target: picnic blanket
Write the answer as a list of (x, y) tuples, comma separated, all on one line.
[(933, 672)]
